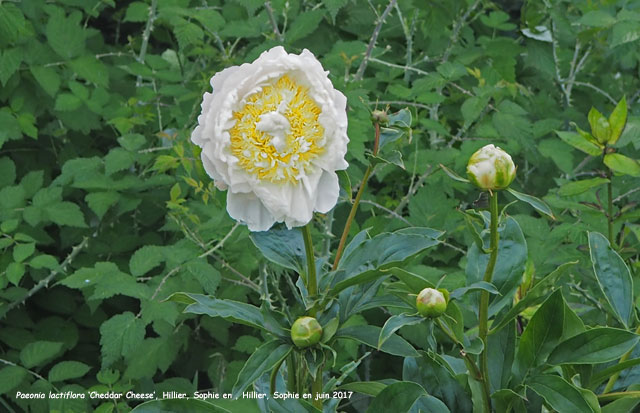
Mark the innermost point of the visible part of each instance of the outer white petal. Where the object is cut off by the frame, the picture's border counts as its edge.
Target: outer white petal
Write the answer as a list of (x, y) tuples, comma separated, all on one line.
[(328, 191), (248, 209)]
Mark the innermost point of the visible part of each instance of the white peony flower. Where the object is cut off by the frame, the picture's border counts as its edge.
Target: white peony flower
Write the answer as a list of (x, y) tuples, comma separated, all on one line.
[(491, 168), (273, 133)]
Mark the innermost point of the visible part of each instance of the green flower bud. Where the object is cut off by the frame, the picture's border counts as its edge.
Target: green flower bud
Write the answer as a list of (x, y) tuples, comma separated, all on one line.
[(305, 332), (380, 116), (491, 168), (431, 303)]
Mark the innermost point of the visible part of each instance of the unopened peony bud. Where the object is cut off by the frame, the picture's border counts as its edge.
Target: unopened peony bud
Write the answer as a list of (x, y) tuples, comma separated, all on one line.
[(431, 303), (380, 116), (305, 332), (491, 168)]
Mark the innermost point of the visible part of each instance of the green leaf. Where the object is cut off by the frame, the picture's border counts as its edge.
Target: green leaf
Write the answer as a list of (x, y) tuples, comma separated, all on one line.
[(37, 353), (100, 202), (9, 63), (472, 108), (578, 187), (305, 24), (580, 142), (597, 18), (91, 69), (66, 213), (512, 257), (363, 262), (598, 345), (541, 335), (396, 322), (283, 247), (66, 370), (370, 388), (624, 32), (7, 172), (415, 282), (15, 271), (435, 375), (621, 164), (120, 336), (145, 259), (66, 102), (9, 127), (538, 204), (334, 6), (47, 78), (11, 376), (264, 359), (178, 405), (23, 251), (600, 127), (453, 175), (137, 12), (64, 34), (207, 275), (560, 394), (476, 286), (618, 120), (369, 335), (234, 311), (397, 397), (613, 277)]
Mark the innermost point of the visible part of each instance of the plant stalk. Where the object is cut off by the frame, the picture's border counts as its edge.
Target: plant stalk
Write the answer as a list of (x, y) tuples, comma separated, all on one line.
[(312, 283), (612, 240), (356, 201), (312, 289), (483, 311), (614, 377)]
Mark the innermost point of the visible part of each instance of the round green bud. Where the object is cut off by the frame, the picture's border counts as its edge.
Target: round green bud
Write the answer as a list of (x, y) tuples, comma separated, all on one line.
[(491, 168), (431, 303), (305, 332), (380, 116)]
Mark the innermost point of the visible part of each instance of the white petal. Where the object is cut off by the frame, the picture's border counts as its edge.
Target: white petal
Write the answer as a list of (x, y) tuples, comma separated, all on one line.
[(248, 209), (327, 192)]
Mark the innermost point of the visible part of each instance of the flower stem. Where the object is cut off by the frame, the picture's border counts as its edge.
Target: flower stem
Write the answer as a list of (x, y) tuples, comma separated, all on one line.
[(483, 311), (610, 211), (356, 202), (471, 364), (312, 289), (291, 373), (614, 377), (312, 283)]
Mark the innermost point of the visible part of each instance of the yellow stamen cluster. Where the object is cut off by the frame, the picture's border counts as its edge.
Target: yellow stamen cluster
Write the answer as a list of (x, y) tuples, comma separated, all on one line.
[(283, 150)]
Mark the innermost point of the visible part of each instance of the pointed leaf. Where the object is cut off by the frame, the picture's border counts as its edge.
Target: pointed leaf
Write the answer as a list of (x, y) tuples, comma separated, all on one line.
[(283, 247), (578, 187), (265, 358), (579, 142), (613, 277), (394, 323), (598, 345), (560, 394), (600, 127), (369, 335), (397, 397), (479, 285), (621, 164), (618, 120), (536, 203), (453, 175)]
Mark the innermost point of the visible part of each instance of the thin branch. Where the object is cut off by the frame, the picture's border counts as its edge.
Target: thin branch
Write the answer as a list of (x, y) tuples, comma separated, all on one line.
[(272, 19), (45, 281), (146, 35), (247, 280), (399, 103), (372, 41), (597, 89), (33, 373), (405, 67), (418, 185), (456, 31), (387, 210), (220, 243), (626, 194)]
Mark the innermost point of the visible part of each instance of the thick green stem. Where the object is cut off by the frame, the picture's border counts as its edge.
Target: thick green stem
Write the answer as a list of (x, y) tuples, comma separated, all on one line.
[(483, 311), (612, 240), (614, 377), (356, 202), (291, 373), (316, 389), (312, 283)]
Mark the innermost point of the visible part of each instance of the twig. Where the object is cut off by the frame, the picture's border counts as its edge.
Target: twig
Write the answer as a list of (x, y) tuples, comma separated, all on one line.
[(597, 89), (146, 35), (45, 281), (456, 31), (418, 185), (372, 41), (220, 243), (626, 194), (272, 19), (387, 210), (33, 373), (247, 280), (399, 103)]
